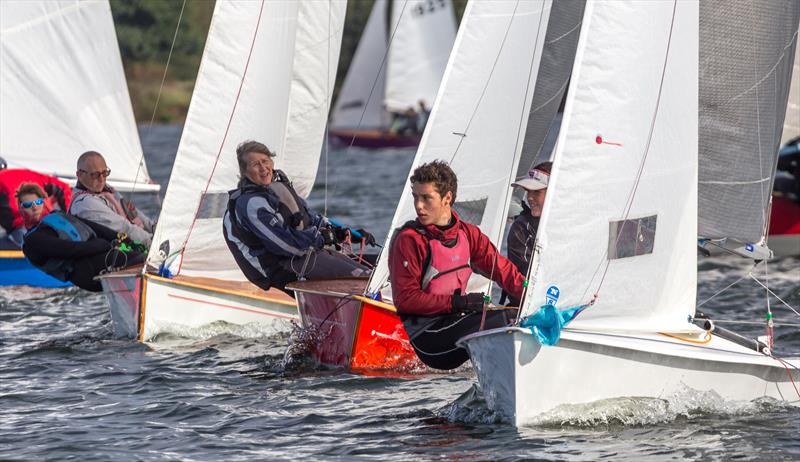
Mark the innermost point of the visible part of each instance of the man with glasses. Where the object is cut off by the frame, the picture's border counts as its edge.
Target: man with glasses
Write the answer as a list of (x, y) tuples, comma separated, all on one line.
[(96, 201)]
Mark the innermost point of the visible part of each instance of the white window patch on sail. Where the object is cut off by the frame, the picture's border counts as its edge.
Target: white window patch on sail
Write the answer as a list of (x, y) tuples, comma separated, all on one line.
[(631, 237)]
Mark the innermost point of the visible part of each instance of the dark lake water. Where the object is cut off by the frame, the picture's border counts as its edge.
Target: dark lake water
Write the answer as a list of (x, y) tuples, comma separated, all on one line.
[(70, 391)]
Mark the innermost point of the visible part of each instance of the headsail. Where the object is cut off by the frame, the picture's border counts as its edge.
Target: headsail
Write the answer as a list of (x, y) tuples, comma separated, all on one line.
[(63, 89), (480, 113), (355, 106), (422, 39), (746, 54), (267, 74), (620, 214)]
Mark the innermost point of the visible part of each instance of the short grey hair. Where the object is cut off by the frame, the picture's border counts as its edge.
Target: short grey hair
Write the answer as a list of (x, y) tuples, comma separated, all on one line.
[(86, 156)]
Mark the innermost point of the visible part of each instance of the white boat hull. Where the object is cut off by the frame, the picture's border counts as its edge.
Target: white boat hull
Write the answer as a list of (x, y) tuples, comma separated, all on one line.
[(160, 305), (522, 380)]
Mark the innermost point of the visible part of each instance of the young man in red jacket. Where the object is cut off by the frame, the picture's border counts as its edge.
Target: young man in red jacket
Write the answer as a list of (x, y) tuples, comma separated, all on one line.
[(430, 262)]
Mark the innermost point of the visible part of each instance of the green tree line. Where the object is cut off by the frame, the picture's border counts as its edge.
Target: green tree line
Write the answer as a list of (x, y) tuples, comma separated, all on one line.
[(146, 29)]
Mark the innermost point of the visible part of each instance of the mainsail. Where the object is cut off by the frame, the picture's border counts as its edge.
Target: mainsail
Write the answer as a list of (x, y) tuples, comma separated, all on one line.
[(746, 54), (267, 74), (63, 89), (479, 114), (620, 216)]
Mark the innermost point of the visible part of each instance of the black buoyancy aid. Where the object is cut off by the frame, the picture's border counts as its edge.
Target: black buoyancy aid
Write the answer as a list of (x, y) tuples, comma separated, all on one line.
[(68, 228), (291, 209)]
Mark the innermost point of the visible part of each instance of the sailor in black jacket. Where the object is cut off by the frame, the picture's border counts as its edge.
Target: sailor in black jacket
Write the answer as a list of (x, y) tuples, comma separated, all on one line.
[(68, 248)]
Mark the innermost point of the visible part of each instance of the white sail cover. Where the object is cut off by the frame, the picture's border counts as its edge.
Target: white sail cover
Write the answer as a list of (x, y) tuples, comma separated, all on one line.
[(746, 54), (267, 74), (355, 106), (479, 116), (63, 89), (627, 149), (423, 35)]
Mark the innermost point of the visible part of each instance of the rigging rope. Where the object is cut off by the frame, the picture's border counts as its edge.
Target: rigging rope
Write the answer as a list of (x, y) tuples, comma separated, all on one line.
[(522, 118), (225, 136), (158, 98), (632, 196)]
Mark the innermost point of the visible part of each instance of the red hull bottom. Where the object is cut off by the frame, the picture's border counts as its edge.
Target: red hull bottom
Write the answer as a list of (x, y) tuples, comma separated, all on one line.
[(784, 229), (354, 333)]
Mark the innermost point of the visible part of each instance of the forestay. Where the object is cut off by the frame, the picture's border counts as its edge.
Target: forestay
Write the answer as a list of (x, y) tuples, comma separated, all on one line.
[(423, 35), (63, 89), (355, 106), (479, 115), (267, 74), (627, 150), (746, 54)]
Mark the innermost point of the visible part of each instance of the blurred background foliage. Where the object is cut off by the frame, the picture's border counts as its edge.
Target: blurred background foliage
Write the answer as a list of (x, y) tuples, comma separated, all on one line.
[(145, 29)]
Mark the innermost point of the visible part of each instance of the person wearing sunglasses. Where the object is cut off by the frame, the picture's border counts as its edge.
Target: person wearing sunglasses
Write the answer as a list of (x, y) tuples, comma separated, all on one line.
[(59, 195), (94, 200), (67, 247)]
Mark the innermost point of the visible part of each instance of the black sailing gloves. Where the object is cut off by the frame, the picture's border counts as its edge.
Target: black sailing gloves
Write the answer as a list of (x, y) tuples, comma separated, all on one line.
[(467, 303), (335, 235)]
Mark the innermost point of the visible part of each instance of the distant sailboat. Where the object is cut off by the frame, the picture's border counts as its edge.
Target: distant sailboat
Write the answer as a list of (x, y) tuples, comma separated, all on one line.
[(267, 74), (618, 234), (504, 50), (63, 92), (392, 70)]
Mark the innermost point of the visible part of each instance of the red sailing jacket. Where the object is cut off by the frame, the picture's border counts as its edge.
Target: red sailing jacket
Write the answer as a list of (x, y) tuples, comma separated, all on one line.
[(407, 255), (10, 181)]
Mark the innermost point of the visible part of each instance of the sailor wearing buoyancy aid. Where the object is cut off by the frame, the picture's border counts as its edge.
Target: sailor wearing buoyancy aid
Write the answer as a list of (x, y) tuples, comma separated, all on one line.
[(94, 200), (430, 262), (66, 247), (272, 233)]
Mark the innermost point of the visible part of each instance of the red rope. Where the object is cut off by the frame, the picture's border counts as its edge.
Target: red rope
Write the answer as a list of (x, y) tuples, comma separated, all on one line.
[(789, 373), (225, 136)]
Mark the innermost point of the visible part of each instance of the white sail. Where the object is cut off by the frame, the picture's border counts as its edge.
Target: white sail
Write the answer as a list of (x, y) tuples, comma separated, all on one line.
[(627, 150), (356, 106), (267, 74), (63, 89), (422, 38), (479, 114)]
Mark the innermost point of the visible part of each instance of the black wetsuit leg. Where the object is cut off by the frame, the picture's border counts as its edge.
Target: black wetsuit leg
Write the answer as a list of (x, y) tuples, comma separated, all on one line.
[(85, 269), (436, 345)]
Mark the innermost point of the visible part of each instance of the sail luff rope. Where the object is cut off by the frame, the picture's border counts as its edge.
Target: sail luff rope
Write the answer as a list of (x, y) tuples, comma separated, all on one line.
[(158, 98), (632, 195), (513, 167), (225, 136), (327, 98)]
